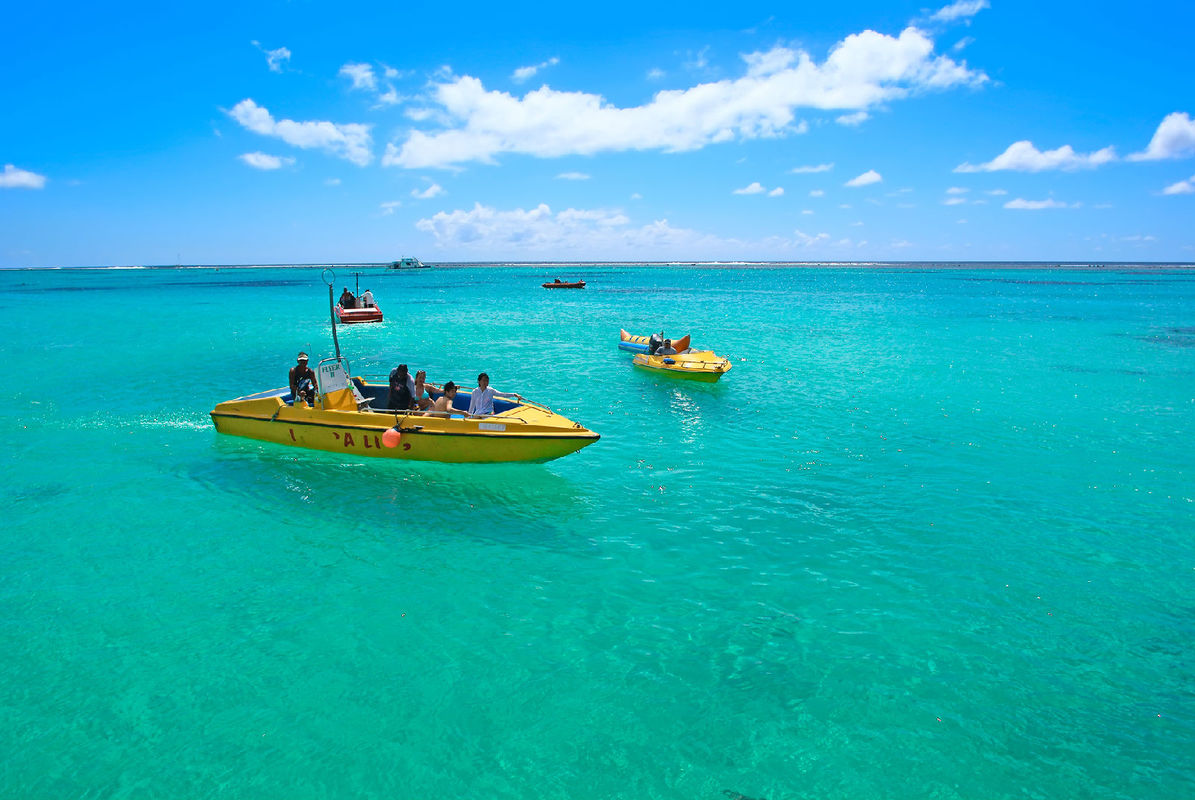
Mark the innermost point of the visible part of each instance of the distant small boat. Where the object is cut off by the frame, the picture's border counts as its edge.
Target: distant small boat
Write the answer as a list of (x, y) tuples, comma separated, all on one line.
[(640, 344), (408, 262), (559, 284), (351, 316)]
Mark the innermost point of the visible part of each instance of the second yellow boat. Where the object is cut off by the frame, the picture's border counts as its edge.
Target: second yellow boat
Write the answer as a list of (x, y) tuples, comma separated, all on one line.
[(696, 365)]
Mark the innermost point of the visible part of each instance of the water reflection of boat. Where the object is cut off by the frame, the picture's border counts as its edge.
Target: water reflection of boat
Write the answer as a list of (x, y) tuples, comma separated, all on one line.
[(349, 416), (408, 262)]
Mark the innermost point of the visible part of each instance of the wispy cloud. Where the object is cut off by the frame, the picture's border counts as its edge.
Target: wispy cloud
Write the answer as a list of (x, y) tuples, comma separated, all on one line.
[(332, 182), (1182, 187), (852, 120), (1037, 205), (362, 76), (754, 188), (957, 190), (962, 9), (1174, 138), (655, 74), (274, 58), (1024, 157), (816, 192), (523, 73), (777, 192), (866, 179), (954, 201), (573, 176), (350, 141), (388, 207), (14, 178), (434, 190), (259, 160), (365, 79), (812, 168), (862, 71)]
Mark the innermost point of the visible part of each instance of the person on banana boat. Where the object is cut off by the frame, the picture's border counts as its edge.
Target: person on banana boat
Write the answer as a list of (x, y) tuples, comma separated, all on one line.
[(302, 381), (481, 402)]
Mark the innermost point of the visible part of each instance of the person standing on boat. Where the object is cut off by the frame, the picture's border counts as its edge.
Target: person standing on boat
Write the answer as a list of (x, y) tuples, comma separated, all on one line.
[(481, 402), (302, 381), (366, 299), (402, 389), (347, 300)]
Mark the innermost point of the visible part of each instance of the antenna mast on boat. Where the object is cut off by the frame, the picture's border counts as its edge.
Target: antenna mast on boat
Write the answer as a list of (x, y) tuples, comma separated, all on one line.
[(330, 278)]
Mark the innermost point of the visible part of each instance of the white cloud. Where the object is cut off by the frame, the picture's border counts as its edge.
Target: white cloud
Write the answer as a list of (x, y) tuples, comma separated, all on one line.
[(332, 182), (866, 179), (350, 141), (814, 168), (523, 73), (361, 75), (259, 160), (390, 97), (806, 211), (1182, 187), (806, 240), (573, 176), (961, 9), (274, 58), (858, 118), (1035, 205), (1024, 157), (816, 192), (996, 192), (432, 191), (636, 196), (14, 178), (777, 192), (862, 71), (754, 188), (960, 45), (1174, 138), (655, 74), (388, 208), (957, 190), (954, 201)]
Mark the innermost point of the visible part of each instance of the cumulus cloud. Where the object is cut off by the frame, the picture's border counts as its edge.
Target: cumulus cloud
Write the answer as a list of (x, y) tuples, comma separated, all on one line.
[(259, 160), (812, 168), (1182, 187), (866, 179), (777, 192), (14, 178), (350, 141), (1036, 205), (962, 9), (754, 188), (1024, 157), (432, 191), (523, 73), (361, 75), (274, 58), (862, 71), (1174, 138), (573, 176)]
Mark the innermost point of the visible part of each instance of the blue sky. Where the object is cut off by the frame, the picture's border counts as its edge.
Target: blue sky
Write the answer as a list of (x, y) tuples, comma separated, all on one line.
[(307, 132)]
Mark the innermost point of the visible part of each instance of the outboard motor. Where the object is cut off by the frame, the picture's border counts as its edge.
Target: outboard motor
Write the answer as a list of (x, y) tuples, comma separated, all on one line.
[(654, 343)]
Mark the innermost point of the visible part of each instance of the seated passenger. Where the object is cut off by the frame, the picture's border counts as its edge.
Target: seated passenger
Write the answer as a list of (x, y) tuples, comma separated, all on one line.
[(443, 403), (481, 402), (366, 299), (401, 390), (422, 393), (347, 300), (666, 349)]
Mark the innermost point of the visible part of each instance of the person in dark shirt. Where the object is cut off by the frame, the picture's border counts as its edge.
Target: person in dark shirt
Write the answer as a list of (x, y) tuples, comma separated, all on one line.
[(302, 381), (347, 300), (401, 397)]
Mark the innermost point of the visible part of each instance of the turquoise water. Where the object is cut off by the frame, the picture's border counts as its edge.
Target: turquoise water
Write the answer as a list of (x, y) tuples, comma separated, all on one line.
[(930, 537)]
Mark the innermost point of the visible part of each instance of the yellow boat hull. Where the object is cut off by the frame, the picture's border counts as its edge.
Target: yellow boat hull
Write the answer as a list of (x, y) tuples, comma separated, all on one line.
[(696, 365), (523, 433)]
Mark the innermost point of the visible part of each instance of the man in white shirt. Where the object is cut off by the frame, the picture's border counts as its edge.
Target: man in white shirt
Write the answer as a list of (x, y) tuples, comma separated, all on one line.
[(482, 400), (366, 299)]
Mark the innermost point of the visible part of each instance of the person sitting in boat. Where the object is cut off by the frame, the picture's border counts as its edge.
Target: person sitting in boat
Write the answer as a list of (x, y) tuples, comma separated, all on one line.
[(366, 299), (666, 349), (443, 403), (347, 300), (481, 402), (402, 389), (302, 381), (422, 393)]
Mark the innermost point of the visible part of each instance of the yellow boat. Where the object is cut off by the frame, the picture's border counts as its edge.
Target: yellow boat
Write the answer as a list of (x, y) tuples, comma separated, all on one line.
[(697, 365), (349, 416)]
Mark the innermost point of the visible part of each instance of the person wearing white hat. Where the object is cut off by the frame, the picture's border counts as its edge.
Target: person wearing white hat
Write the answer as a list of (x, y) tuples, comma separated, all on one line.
[(302, 381)]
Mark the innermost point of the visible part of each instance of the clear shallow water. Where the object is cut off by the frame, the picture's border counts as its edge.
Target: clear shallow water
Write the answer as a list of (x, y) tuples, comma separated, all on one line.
[(930, 537)]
